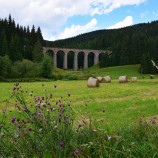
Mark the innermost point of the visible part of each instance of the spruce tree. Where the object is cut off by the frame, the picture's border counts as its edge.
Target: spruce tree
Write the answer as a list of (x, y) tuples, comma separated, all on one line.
[(37, 53)]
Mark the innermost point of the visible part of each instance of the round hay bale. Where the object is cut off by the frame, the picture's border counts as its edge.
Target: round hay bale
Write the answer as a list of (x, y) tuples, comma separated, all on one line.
[(133, 79), (106, 79), (99, 78), (92, 82), (123, 79)]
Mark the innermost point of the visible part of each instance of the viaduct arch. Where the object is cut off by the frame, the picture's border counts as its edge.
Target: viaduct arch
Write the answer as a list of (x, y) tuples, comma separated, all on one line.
[(76, 52)]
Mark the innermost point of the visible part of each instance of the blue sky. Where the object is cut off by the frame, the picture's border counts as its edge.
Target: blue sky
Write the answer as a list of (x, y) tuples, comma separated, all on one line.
[(60, 19)]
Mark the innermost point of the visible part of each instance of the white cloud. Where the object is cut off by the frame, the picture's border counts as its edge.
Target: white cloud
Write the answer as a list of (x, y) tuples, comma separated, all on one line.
[(126, 22), (78, 29), (50, 15)]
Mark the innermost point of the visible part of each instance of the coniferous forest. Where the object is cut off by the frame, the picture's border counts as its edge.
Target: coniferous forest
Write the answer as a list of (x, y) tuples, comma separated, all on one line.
[(21, 48), (137, 44)]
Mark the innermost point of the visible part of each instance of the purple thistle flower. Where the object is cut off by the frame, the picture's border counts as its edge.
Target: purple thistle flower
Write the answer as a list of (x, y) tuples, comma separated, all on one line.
[(25, 134), (76, 152), (60, 114), (29, 129), (30, 94), (51, 95), (13, 119), (38, 105), (51, 108), (3, 111), (61, 144), (55, 86), (14, 88), (61, 105), (39, 113), (15, 139), (79, 125), (68, 94), (103, 110), (25, 109), (59, 119), (42, 97), (19, 126)]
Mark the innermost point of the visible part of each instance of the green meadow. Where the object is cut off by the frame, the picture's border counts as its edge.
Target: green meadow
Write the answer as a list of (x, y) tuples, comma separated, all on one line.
[(113, 120), (123, 103)]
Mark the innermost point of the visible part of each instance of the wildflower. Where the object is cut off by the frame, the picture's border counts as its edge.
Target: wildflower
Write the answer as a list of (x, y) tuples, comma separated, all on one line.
[(19, 126), (15, 139), (61, 105), (25, 134), (42, 97), (59, 119), (76, 152), (13, 119), (55, 86), (30, 94), (39, 113), (25, 109), (60, 114), (3, 111), (61, 144), (14, 88), (103, 110), (94, 130), (38, 105), (79, 125), (29, 129), (51, 108), (68, 94), (51, 95), (43, 104)]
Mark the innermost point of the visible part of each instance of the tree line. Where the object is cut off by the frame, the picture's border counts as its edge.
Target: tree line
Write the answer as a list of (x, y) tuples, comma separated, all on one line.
[(21, 50)]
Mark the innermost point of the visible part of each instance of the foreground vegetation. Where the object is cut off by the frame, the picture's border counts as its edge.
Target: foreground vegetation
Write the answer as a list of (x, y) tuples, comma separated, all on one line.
[(67, 119)]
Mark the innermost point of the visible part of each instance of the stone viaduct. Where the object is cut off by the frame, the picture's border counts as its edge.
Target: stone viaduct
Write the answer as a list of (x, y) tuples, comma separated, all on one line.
[(76, 52)]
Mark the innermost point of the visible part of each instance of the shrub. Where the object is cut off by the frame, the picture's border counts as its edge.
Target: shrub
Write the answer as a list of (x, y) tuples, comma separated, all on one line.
[(46, 67)]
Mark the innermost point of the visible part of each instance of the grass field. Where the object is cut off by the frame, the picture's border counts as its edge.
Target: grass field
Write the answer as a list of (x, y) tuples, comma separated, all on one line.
[(114, 72), (123, 103)]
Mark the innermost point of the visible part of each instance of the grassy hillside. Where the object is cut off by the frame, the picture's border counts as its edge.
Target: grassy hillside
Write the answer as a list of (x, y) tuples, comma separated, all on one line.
[(114, 72)]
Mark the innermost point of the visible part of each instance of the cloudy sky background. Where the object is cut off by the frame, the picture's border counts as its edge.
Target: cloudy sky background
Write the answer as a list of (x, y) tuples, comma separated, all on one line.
[(59, 19)]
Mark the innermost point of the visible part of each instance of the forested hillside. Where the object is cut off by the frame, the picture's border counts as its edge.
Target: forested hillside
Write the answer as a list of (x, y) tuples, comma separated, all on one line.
[(136, 44), (21, 51), (17, 41)]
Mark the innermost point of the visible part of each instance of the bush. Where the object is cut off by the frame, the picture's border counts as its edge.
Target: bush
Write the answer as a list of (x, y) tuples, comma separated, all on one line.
[(25, 68), (46, 67), (71, 77)]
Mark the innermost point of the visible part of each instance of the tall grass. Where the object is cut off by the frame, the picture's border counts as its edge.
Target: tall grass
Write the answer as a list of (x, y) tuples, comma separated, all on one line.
[(49, 126)]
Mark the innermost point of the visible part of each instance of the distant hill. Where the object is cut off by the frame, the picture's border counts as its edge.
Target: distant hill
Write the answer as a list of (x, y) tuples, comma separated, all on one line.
[(136, 44)]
